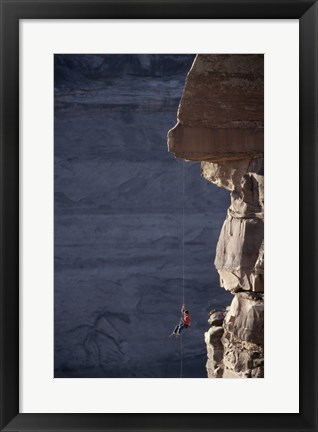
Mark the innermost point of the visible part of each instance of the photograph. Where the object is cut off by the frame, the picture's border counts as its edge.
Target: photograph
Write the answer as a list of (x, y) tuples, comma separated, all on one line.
[(159, 215), (133, 143)]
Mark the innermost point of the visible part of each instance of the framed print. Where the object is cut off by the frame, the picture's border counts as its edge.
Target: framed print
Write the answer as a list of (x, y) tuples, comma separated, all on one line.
[(136, 142)]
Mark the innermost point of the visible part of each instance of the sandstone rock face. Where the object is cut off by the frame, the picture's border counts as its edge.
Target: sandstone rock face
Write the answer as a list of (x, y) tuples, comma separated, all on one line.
[(243, 338), (220, 115), (221, 124), (235, 346), (207, 141), (245, 318), (213, 340), (240, 250)]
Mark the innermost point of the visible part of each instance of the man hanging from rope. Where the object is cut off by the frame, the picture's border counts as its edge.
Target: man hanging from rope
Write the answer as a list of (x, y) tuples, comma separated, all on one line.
[(185, 322)]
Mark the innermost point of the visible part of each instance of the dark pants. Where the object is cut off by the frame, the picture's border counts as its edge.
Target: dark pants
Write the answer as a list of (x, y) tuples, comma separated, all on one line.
[(179, 327)]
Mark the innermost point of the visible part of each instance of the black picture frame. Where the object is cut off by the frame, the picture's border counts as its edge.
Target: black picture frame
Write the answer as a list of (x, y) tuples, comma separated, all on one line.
[(14, 10)]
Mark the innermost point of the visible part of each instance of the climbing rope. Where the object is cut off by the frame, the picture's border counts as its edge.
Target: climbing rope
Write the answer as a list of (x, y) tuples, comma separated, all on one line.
[(183, 199), (181, 362)]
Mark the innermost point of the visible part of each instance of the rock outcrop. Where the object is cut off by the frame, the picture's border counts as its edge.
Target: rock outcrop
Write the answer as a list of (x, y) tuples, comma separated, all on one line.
[(221, 124), (213, 340), (243, 338)]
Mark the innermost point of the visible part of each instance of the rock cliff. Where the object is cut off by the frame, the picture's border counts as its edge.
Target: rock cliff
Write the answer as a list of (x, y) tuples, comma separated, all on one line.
[(221, 124)]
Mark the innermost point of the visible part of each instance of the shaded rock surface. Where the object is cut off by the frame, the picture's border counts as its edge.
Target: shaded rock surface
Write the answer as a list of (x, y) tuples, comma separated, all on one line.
[(245, 318), (221, 124), (240, 249), (243, 338), (213, 340)]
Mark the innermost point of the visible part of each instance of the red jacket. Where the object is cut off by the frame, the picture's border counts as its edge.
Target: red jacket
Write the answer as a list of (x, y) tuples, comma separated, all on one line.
[(185, 317)]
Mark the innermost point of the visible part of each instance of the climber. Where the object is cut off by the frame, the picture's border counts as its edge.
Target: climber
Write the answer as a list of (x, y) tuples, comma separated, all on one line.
[(185, 322)]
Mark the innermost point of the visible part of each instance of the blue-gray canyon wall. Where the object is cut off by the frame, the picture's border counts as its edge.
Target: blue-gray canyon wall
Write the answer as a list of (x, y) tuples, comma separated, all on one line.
[(118, 221)]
